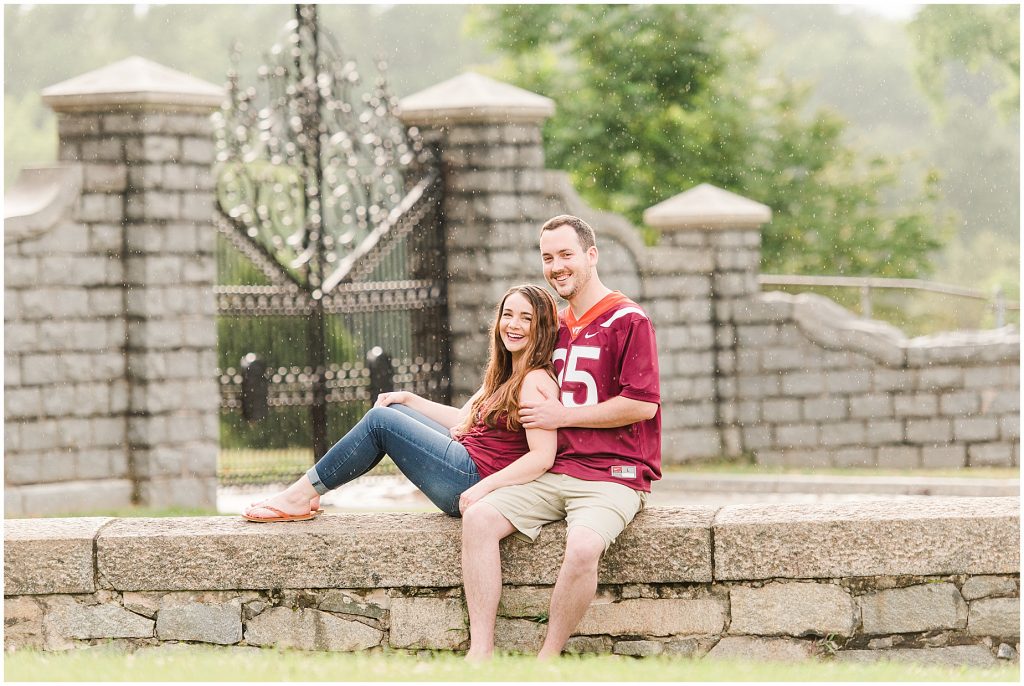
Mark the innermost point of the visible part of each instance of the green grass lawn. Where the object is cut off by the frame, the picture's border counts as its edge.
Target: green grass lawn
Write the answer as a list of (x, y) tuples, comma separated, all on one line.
[(195, 663)]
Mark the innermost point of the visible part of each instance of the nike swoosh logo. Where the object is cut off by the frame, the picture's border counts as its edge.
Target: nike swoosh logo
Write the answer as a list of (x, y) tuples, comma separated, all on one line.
[(591, 335)]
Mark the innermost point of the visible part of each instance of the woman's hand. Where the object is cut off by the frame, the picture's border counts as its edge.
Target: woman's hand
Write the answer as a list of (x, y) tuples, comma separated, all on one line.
[(472, 495), (393, 397)]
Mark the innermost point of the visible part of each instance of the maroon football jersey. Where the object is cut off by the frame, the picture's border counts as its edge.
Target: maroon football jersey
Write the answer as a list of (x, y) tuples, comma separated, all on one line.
[(614, 354)]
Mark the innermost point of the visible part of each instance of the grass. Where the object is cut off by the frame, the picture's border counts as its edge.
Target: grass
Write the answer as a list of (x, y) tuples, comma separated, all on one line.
[(202, 663), (236, 466)]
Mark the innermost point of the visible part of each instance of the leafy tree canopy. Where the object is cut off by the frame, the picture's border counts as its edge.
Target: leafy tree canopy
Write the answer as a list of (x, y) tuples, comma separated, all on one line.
[(653, 100), (976, 36)]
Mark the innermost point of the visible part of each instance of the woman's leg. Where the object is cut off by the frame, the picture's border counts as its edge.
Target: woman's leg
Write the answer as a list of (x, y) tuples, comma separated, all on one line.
[(421, 448)]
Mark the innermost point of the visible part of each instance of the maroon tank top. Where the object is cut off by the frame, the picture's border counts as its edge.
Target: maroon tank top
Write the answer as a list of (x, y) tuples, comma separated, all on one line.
[(494, 449)]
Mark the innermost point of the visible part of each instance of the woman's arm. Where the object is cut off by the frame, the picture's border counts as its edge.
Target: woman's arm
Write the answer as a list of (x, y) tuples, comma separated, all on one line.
[(533, 463), (445, 415)]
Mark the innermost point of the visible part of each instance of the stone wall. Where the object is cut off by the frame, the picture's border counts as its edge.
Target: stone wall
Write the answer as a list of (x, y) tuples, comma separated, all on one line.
[(935, 580), (787, 380), (110, 394), (815, 386), (109, 312), (488, 138)]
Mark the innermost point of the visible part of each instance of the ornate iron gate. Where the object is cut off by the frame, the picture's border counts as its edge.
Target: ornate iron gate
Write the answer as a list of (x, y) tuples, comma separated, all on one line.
[(331, 258)]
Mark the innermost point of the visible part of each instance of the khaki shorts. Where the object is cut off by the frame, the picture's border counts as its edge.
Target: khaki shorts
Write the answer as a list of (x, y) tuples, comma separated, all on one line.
[(601, 506)]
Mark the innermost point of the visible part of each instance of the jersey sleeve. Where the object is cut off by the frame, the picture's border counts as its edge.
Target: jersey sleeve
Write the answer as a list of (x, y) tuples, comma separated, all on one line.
[(639, 376)]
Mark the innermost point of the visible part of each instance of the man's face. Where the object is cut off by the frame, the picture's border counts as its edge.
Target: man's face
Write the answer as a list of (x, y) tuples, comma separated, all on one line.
[(567, 267)]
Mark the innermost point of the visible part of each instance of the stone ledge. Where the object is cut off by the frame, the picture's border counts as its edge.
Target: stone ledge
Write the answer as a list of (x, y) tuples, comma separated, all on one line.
[(665, 545), (828, 324), (345, 551), (134, 82), (40, 198), (474, 98), (917, 537), (50, 555)]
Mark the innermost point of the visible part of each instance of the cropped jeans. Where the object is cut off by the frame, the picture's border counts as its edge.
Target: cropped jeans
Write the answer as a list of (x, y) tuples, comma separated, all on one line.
[(423, 449)]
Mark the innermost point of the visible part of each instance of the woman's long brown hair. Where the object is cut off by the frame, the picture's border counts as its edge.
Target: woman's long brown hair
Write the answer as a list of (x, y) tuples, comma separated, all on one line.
[(503, 380)]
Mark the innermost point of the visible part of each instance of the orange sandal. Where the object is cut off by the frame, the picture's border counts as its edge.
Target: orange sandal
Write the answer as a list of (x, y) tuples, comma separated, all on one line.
[(281, 516)]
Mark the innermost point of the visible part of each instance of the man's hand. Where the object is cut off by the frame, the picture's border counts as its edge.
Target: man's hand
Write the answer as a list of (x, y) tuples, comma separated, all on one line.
[(548, 413)]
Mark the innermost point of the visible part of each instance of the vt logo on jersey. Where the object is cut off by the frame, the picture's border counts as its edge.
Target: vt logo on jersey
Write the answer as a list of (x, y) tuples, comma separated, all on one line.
[(624, 472)]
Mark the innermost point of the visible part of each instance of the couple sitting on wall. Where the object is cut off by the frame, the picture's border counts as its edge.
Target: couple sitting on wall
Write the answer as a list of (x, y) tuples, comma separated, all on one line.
[(514, 457)]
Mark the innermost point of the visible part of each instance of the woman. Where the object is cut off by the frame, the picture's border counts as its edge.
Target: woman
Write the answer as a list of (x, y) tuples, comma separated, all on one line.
[(487, 447)]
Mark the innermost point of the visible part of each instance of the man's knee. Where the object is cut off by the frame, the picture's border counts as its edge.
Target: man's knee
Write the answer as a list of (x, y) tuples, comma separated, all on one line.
[(483, 521), (583, 548)]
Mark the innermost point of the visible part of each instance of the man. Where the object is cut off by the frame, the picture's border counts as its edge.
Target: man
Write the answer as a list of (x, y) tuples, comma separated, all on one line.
[(609, 444)]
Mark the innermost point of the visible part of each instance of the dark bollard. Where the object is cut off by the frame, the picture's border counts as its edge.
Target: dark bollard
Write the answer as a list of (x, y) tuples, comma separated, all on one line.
[(381, 374), (255, 388)]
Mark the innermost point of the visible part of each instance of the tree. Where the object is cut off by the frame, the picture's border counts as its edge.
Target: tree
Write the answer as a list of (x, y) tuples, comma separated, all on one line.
[(197, 39), (652, 100), (976, 36)]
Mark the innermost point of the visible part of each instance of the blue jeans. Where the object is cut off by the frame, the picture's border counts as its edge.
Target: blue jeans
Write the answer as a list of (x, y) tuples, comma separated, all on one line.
[(422, 449)]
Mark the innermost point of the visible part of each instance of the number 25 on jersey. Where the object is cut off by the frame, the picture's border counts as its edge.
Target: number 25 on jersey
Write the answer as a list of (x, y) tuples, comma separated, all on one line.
[(572, 374)]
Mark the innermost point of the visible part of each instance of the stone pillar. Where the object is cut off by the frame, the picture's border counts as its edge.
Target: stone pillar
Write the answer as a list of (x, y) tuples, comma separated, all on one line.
[(489, 140), (142, 134), (721, 233)]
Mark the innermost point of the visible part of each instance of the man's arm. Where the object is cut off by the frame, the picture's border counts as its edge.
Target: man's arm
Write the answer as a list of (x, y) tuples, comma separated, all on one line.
[(549, 413)]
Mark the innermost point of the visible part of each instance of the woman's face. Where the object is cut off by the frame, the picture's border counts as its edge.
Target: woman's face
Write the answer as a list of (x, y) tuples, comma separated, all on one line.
[(515, 323)]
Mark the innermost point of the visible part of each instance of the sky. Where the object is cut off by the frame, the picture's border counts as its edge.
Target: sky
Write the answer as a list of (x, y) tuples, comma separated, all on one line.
[(891, 10)]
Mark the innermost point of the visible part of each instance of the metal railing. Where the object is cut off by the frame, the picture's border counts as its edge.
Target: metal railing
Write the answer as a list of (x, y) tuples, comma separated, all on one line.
[(997, 300)]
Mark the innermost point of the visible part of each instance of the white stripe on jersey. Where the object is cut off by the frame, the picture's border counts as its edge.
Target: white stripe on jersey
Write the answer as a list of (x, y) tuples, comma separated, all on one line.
[(622, 313)]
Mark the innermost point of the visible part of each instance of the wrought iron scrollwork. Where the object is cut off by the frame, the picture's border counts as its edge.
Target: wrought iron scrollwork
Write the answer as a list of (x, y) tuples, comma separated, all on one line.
[(310, 160), (335, 209)]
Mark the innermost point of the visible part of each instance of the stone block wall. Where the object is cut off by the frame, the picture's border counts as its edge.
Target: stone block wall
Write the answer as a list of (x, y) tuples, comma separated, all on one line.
[(491, 198), (798, 380), (65, 386), (795, 381), (488, 138), (674, 284), (815, 386), (933, 580), (110, 393)]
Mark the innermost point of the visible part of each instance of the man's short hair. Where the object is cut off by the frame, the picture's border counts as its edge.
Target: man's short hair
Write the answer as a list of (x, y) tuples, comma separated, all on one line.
[(582, 229)]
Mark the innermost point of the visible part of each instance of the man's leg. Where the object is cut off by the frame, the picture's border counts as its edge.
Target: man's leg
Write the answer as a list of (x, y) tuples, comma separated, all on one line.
[(574, 589), (483, 527)]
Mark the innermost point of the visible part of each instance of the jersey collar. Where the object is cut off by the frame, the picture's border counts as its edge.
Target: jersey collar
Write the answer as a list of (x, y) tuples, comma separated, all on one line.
[(608, 302)]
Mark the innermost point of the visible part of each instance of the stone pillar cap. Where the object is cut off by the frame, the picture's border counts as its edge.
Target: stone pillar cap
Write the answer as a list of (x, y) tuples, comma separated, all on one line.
[(134, 83), (707, 207), (473, 98)]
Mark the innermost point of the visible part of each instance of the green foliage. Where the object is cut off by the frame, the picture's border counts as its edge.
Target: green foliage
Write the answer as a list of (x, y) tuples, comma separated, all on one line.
[(30, 134), (862, 66), (976, 36), (653, 100), (197, 39), (205, 663)]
